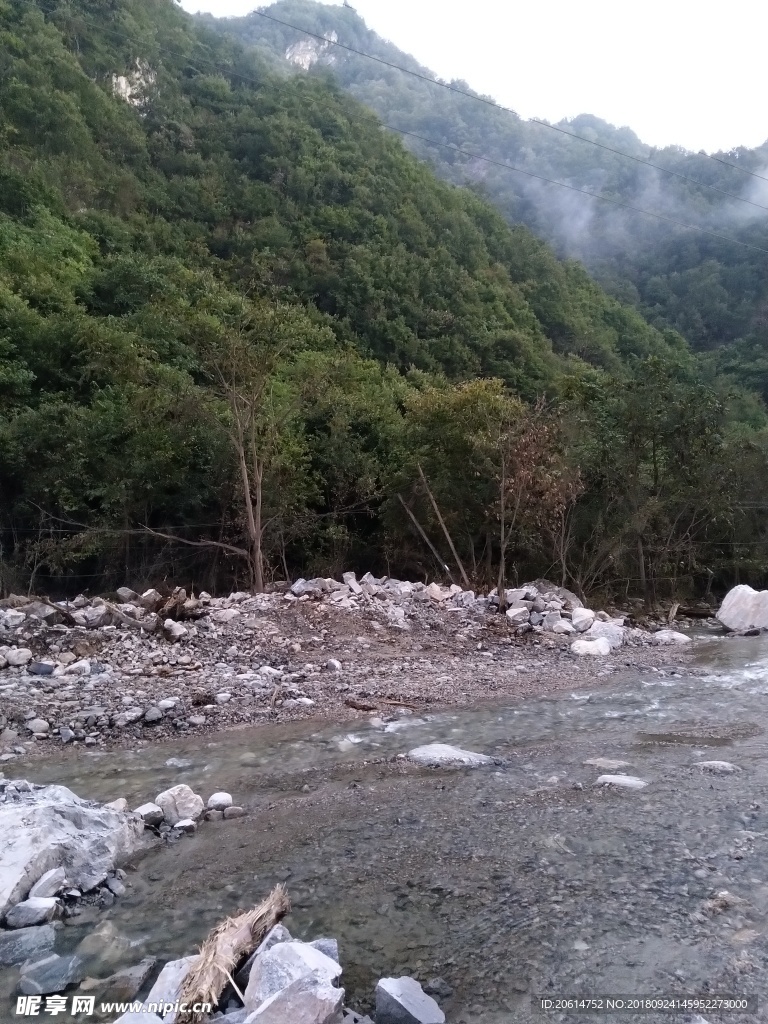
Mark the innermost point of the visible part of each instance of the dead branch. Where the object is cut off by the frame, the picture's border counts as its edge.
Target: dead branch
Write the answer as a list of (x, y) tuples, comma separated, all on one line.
[(448, 537), (150, 624), (223, 950)]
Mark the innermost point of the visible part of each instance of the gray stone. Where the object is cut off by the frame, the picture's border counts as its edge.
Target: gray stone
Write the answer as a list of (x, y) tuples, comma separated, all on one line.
[(234, 812), (36, 910), (669, 637), (563, 626), (278, 933), (582, 619), (550, 620), (307, 1000), (219, 801), (718, 767), (174, 631), (18, 656), (180, 802), (150, 813), (607, 764), (444, 755), (123, 985), (742, 608), (168, 985), (350, 1017), (328, 946), (613, 631), (621, 781), (283, 964), (50, 883), (126, 595), (518, 615), (104, 947), (333, 665), (403, 1001), (186, 825), (26, 944), (115, 886), (153, 715), (66, 735), (598, 647), (41, 668), (53, 974)]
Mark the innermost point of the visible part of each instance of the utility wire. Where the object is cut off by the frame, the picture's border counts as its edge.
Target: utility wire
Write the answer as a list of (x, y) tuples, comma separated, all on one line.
[(373, 120), (508, 110)]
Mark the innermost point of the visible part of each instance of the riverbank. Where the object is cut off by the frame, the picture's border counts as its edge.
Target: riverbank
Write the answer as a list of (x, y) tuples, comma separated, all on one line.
[(106, 675)]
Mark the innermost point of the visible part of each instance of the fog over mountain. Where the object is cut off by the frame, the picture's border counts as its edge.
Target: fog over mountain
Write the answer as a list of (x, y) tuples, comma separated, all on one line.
[(709, 288)]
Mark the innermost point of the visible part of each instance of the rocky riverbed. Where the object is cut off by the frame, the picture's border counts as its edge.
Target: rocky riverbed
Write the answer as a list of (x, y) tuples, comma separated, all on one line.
[(145, 667)]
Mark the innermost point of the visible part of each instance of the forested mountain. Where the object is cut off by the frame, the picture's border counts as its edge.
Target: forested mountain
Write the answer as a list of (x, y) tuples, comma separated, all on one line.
[(244, 333), (712, 291)]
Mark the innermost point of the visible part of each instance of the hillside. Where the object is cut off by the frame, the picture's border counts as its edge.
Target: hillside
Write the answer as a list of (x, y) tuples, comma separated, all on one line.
[(713, 292), (238, 321)]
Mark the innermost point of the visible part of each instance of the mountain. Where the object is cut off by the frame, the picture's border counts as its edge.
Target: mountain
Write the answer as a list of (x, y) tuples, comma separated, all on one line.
[(712, 291), (241, 326)]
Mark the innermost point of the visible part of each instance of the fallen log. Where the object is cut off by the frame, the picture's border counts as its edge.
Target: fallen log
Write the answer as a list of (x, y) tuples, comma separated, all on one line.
[(226, 946)]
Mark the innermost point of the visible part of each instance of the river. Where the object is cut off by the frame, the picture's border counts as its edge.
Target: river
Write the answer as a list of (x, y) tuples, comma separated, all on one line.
[(510, 883)]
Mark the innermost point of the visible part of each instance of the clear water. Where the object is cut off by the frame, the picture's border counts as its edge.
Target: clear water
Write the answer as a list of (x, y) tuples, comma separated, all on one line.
[(511, 882)]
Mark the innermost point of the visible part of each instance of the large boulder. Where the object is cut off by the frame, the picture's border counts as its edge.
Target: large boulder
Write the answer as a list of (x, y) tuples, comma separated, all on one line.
[(178, 803), (744, 608), (26, 944), (600, 647), (403, 1001), (308, 1000), (582, 619), (613, 631), (667, 637), (282, 965), (46, 827)]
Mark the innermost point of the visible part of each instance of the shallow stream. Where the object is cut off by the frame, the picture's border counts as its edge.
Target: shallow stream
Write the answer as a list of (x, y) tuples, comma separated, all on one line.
[(511, 882)]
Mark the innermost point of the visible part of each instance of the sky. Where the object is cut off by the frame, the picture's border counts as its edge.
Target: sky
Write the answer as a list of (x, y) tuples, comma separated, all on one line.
[(678, 72)]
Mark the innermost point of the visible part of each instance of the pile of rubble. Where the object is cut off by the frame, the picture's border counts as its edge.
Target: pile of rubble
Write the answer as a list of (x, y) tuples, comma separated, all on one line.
[(94, 670)]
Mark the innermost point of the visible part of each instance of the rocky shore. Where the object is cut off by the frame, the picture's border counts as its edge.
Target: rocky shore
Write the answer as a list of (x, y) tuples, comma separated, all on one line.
[(100, 673)]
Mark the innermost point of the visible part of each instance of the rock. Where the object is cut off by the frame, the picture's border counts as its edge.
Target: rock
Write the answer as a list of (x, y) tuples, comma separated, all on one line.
[(153, 715), (50, 883), (607, 764), (115, 886), (38, 726), (53, 974), (219, 801), (550, 620), (278, 933), (283, 964), (225, 615), (582, 619), (41, 668), (126, 595), (223, 698), (121, 804), (150, 814), (742, 608), (151, 600), (403, 1001), (66, 736), (438, 987), (26, 944), (174, 631), (328, 946), (351, 581), (518, 615), (186, 825), (612, 631), (214, 815), (621, 781), (18, 656), (123, 985), (168, 984), (180, 802), (563, 626), (444, 755), (104, 947), (333, 665), (35, 910), (234, 812), (599, 647), (669, 636), (306, 1000), (47, 827), (718, 767), (140, 1017)]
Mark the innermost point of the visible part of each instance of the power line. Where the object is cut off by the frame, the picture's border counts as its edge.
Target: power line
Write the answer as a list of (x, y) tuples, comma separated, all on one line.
[(736, 167), (374, 120), (508, 110)]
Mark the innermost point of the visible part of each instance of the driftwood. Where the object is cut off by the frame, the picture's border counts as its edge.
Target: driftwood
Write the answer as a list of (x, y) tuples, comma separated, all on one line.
[(150, 624), (223, 950)]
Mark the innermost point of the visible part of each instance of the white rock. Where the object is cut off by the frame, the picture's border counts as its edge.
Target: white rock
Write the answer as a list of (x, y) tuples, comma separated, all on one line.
[(550, 620), (744, 608), (151, 599), (612, 631), (219, 801), (518, 615), (582, 619), (18, 656), (50, 883), (121, 804), (35, 910), (150, 813), (225, 615), (600, 646), (78, 668), (622, 781), (180, 802), (283, 964), (186, 825), (563, 626), (670, 636), (174, 631), (304, 1001), (403, 1001), (442, 754), (50, 827), (351, 581), (168, 985), (718, 767), (607, 764)]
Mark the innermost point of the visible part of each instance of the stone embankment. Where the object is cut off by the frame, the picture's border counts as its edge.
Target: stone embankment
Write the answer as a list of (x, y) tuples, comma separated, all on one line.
[(145, 667)]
